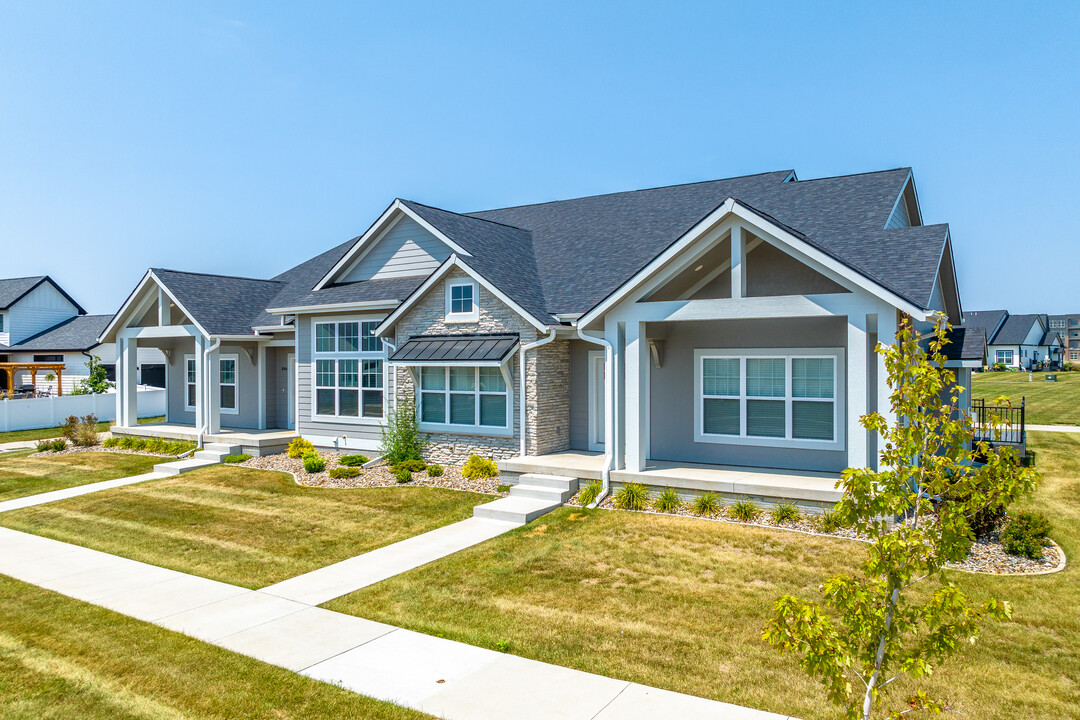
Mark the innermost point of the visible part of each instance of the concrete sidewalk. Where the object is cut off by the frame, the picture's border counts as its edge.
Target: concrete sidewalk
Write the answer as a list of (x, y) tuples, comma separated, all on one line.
[(1054, 428), (445, 678), (65, 493)]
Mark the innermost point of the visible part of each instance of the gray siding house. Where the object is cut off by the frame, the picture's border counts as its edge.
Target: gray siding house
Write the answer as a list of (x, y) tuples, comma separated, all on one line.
[(715, 335)]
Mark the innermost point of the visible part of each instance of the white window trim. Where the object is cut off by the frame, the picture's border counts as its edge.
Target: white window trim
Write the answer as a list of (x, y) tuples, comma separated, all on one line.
[(839, 400), (1002, 354), (235, 385), (476, 429), (474, 316), (360, 356), (187, 359)]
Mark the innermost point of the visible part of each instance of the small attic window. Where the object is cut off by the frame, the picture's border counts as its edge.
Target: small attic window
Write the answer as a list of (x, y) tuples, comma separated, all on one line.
[(461, 301)]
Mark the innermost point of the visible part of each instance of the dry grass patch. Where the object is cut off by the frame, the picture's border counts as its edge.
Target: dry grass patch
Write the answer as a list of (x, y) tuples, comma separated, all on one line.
[(1048, 403), (246, 527), (680, 603), (21, 475)]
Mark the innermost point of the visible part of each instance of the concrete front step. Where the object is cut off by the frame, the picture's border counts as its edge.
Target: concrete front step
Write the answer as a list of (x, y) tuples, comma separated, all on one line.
[(223, 448), (519, 510), (558, 482), (539, 492), (182, 466)]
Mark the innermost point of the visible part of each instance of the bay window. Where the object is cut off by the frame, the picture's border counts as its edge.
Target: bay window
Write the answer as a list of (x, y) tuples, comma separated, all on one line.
[(776, 398), (464, 398), (348, 377)]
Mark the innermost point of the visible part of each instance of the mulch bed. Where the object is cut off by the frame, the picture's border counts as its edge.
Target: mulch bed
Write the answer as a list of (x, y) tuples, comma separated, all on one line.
[(987, 555), (378, 475)]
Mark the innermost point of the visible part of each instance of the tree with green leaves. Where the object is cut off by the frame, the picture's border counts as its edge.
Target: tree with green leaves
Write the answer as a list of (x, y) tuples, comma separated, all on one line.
[(874, 628), (96, 381)]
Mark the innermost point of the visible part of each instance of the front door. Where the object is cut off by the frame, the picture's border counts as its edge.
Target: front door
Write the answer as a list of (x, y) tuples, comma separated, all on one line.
[(596, 399)]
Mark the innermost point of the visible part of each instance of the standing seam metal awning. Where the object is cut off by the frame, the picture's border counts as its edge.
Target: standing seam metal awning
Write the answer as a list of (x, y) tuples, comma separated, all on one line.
[(455, 349)]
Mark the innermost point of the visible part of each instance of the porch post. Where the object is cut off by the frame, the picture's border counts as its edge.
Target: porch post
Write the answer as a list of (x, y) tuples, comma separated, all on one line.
[(612, 405), (260, 368), (213, 402), (886, 329), (637, 418), (119, 370), (126, 376), (858, 390), (200, 382), (738, 266)]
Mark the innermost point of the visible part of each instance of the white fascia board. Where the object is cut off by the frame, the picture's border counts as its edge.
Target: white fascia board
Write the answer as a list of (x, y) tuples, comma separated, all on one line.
[(439, 273), (131, 301), (374, 231), (333, 307), (731, 207)]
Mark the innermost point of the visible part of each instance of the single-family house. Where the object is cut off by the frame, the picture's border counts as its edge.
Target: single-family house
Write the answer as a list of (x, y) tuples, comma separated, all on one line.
[(41, 323), (1020, 342), (710, 336)]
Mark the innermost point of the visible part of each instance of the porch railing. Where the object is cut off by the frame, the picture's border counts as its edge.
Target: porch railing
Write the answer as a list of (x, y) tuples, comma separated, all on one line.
[(1002, 424)]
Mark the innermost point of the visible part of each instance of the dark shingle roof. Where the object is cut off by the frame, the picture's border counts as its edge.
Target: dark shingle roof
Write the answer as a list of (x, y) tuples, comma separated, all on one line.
[(987, 320), (13, 289), (456, 348), (1050, 337), (1015, 330), (966, 343), (77, 333), (221, 304)]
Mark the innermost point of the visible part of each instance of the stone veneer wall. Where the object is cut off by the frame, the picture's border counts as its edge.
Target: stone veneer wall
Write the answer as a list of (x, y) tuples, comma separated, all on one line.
[(547, 379)]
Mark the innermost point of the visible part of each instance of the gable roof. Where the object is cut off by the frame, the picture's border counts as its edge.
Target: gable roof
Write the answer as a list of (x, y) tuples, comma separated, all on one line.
[(221, 304), (76, 333), (14, 289), (965, 343), (1015, 330), (987, 320)]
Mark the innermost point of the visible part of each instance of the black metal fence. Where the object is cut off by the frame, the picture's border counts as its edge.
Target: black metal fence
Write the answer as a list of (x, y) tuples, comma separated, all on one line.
[(999, 423)]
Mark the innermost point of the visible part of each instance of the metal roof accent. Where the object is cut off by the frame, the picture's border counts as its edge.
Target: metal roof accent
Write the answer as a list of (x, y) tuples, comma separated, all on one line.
[(455, 349)]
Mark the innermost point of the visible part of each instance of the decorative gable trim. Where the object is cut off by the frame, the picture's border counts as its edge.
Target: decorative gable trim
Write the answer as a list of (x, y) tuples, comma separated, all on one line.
[(376, 231), (132, 303), (450, 263), (46, 279)]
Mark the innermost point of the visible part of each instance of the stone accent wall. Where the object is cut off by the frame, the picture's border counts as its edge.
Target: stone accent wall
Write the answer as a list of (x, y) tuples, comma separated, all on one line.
[(547, 393)]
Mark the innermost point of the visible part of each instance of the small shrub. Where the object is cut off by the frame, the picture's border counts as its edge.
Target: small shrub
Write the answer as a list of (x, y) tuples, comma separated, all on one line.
[(86, 433), (110, 442), (502, 645), (412, 466), (313, 463), (401, 438), (353, 460), (52, 445), (339, 473), (69, 428), (1026, 534), (785, 511), (706, 504), (667, 501), (434, 470), (299, 447), (745, 510), (590, 492), (504, 488), (403, 475), (238, 458), (829, 521), (632, 496), (478, 468)]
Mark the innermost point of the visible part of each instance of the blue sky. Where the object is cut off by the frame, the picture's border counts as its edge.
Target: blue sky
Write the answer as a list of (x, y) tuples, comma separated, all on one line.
[(243, 138)]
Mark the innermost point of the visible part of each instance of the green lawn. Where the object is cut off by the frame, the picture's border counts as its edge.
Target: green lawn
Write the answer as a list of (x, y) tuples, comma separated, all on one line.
[(680, 603), (1048, 403), (21, 475), (62, 659), (43, 433), (243, 526)]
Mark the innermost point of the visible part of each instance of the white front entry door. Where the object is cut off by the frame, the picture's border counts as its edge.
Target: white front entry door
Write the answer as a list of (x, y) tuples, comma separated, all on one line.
[(596, 399)]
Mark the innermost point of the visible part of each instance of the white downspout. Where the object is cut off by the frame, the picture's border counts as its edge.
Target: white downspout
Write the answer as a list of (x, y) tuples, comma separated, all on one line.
[(207, 385), (609, 397), (521, 380)]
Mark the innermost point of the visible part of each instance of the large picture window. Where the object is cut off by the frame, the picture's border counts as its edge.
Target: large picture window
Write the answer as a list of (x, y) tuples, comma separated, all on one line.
[(348, 376), (782, 399), (464, 398)]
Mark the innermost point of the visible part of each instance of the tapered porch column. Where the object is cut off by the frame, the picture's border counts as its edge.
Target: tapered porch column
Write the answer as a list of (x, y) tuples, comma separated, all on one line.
[(613, 393), (886, 333), (858, 391), (200, 382), (637, 396), (213, 401), (127, 397)]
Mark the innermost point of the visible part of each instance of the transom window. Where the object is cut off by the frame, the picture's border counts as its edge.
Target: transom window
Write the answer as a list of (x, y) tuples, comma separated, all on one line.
[(461, 301), (469, 397), (768, 400), (348, 375)]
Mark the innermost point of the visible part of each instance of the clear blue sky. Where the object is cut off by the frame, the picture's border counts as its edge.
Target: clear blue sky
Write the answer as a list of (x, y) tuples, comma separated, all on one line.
[(242, 138)]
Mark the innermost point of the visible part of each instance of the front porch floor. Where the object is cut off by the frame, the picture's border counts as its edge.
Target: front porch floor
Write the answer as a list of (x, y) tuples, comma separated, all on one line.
[(765, 485), (251, 440)]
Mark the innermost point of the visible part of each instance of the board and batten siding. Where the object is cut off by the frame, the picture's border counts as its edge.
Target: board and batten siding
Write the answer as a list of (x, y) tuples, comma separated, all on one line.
[(347, 435), (42, 308), (406, 250)]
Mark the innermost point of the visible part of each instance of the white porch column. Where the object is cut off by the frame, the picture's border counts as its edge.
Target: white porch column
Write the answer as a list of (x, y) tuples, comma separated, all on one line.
[(637, 396), (612, 391), (738, 263), (260, 368), (213, 401), (858, 391), (121, 391), (200, 382), (886, 332)]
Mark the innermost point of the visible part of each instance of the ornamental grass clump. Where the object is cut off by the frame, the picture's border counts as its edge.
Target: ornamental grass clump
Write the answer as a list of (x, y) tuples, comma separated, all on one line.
[(706, 504), (785, 511), (745, 510), (632, 496), (299, 447), (899, 616), (478, 468), (667, 501), (589, 493)]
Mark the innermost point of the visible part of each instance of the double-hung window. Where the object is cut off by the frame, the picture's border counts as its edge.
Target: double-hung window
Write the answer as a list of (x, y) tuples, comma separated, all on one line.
[(783, 398), (227, 383), (189, 382), (348, 378), (461, 301), (464, 398)]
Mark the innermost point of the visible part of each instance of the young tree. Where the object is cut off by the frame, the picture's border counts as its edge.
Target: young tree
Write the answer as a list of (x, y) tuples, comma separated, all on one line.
[(872, 629), (96, 380)]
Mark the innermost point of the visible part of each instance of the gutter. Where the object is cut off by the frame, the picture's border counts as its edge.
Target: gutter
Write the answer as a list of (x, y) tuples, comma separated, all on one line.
[(609, 427), (206, 392), (521, 380)]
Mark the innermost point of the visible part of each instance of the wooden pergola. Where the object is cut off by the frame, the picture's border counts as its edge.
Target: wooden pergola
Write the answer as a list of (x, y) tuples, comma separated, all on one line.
[(10, 368)]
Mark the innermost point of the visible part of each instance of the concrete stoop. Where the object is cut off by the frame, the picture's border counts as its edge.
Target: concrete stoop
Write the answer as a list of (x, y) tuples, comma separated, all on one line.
[(532, 496), (211, 454)]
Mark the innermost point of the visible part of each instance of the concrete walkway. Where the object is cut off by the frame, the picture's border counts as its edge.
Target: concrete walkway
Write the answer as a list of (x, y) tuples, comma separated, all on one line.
[(18, 445), (325, 584), (1054, 428), (445, 678), (65, 493)]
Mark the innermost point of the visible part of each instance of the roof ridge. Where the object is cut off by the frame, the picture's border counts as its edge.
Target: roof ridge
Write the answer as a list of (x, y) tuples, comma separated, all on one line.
[(24, 277), (231, 277), (868, 172), (627, 192), (466, 215)]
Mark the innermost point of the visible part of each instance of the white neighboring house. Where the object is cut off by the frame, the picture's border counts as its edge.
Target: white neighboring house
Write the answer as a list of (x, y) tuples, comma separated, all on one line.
[(40, 322), (1019, 342)]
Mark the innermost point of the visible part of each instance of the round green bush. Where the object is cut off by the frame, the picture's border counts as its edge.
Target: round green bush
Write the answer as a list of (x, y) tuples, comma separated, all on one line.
[(353, 460), (402, 474), (313, 463), (299, 447), (478, 468), (1026, 534), (434, 470), (339, 473)]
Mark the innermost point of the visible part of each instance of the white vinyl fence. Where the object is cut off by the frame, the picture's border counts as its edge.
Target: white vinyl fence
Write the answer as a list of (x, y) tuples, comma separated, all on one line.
[(33, 413)]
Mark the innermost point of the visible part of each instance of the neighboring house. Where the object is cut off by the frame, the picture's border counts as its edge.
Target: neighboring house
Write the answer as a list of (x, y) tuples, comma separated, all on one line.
[(40, 322), (1068, 327), (1020, 342), (725, 323)]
